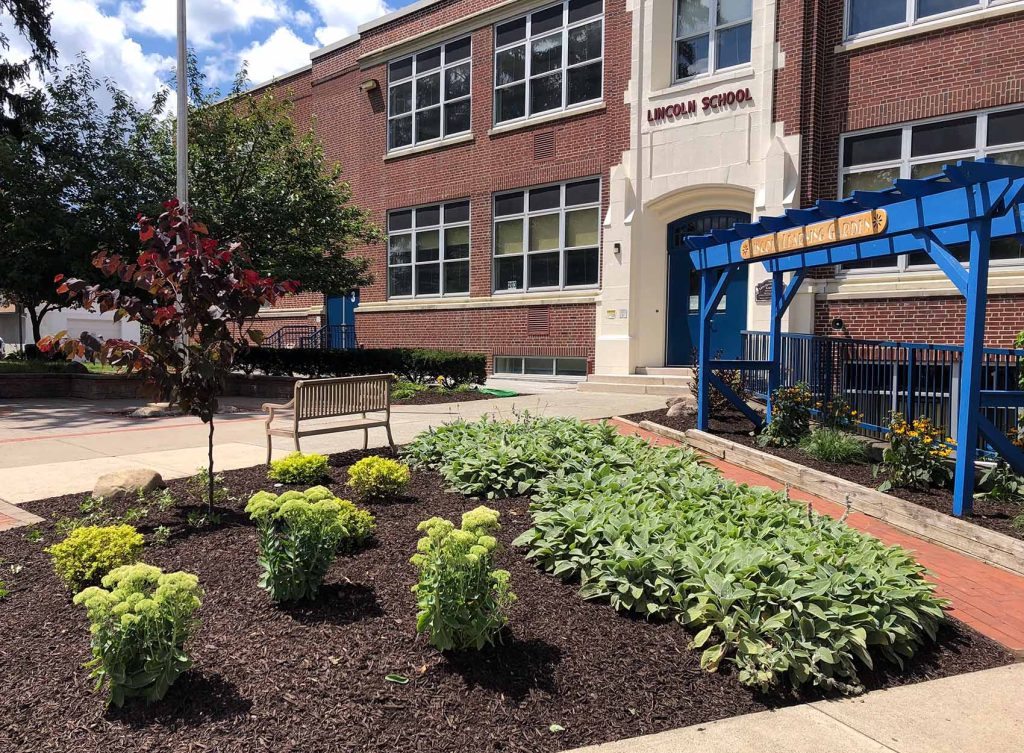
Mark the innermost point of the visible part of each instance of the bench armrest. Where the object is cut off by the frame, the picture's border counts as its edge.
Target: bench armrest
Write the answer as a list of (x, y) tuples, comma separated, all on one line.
[(271, 408)]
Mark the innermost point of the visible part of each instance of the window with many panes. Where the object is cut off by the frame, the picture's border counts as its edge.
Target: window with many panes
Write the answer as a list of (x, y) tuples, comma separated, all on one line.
[(869, 16), (548, 61), (429, 94), (711, 35), (428, 251), (872, 161), (540, 366), (547, 238)]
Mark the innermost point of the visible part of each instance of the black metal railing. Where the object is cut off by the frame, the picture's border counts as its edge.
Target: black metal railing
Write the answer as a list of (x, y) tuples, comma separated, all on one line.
[(877, 377), (329, 337)]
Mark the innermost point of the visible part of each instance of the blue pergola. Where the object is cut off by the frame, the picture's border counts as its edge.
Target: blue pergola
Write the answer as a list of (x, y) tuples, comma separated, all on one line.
[(967, 203)]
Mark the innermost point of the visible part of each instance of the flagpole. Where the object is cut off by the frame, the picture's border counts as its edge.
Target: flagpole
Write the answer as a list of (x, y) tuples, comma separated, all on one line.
[(182, 187)]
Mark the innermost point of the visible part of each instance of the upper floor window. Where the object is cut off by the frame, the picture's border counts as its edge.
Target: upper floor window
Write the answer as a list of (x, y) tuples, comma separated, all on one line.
[(429, 94), (548, 61), (547, 238), (711, 35), (428, 251), (867, 16), (872, 161)]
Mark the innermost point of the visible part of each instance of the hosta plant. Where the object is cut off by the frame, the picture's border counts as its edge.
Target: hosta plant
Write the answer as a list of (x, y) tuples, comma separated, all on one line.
[(300, 535), (377, 478), (90, 552), (789, 599), (140, 621), (463, 600), (297, 468), (917, 455)]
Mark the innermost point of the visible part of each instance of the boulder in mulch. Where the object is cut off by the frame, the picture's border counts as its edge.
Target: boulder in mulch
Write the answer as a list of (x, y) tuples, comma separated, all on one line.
[(128, 483)]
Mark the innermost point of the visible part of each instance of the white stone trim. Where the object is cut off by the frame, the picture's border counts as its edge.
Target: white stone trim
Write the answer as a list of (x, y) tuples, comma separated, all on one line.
[(496, 302), (925, 284), (549, 118)]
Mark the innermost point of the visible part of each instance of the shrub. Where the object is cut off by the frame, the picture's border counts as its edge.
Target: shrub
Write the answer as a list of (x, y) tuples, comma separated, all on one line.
[(463, 601), (786, 597), (300, 534), (405, 390), (916, 455), (834, 446), (141, 620), (791, 417), (90, 552), (837, 413), (496, 459), (453, 368), (378, 478), (719, 403), (299, 469), (1000, 484)]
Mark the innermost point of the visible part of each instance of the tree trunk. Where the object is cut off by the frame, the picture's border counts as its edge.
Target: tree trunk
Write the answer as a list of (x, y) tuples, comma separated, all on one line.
[(209, 500), (36, 317)]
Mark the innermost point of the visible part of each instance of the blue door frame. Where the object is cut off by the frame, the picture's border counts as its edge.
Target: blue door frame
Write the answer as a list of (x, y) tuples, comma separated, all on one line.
[(683, 317)]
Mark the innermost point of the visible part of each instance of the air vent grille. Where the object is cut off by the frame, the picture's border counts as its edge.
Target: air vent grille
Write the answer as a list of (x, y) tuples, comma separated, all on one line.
[(544, 145), (538, 320)]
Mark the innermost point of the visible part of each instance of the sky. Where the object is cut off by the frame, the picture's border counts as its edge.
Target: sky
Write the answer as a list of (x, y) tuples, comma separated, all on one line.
[(133, 41)]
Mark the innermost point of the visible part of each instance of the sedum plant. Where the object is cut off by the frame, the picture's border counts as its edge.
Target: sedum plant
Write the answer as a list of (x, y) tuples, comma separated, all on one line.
[(377, 478), (463, 600), (140, 621), (297, 468), (300, 535), (90, 552)]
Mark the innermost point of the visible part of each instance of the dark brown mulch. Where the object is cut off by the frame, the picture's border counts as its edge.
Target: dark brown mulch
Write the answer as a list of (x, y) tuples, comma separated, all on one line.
[(997, 516), (312, 678)]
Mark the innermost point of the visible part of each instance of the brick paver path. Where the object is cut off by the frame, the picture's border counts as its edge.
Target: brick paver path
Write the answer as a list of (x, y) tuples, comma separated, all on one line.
[(988, 599)]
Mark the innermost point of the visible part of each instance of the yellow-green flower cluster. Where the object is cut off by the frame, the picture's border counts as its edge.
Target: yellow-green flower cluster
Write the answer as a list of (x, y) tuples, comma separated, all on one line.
[(90, 552), (317, 505), (297, 468)]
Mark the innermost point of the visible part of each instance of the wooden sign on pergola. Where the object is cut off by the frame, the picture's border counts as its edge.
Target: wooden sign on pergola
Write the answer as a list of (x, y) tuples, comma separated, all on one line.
[(967, 203)]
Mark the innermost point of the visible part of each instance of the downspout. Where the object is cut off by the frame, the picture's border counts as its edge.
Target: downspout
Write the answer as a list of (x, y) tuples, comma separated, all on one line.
[(641, 62)]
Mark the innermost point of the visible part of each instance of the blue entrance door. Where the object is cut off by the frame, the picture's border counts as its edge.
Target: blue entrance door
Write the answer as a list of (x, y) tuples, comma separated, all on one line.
[(684, 293), (341, 318)]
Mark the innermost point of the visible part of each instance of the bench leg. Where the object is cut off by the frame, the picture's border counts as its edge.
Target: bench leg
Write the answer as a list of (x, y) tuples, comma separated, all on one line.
[(270, 448), (297, 448), (366, 438), (391, 441)]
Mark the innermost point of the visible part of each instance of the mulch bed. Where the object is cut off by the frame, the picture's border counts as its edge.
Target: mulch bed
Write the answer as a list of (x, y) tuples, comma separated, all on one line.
[(997, 516), (312, 678), (437, 397)]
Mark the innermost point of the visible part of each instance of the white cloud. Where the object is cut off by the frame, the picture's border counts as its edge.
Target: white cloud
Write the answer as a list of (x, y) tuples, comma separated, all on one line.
[(303, 18), (342, 17), (206, 18), (281, 52)]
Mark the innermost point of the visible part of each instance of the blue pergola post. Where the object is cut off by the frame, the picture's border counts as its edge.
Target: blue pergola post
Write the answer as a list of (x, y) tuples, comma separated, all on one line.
[(775, 341), (970, 370), (704, 352)]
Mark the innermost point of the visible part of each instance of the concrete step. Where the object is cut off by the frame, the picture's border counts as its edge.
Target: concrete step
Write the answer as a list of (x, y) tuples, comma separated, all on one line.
[(665, 371), (633, 388), (673, 381)]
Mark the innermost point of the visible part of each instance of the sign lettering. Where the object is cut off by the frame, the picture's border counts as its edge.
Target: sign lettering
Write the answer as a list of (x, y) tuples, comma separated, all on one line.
[(689, 107), (851, 227)]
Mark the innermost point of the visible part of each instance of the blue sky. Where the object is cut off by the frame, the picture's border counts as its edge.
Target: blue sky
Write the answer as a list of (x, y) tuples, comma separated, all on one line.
[(132, 41)]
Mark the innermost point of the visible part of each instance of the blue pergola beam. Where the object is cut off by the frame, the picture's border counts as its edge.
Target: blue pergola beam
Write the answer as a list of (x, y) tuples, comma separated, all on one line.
[(945, 260), (735, 399), (741, 365), (718, 292), (1002, 399), (1001, 444)]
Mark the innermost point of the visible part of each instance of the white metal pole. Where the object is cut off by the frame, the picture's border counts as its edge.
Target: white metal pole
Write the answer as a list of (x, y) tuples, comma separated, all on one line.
[(182, 187)]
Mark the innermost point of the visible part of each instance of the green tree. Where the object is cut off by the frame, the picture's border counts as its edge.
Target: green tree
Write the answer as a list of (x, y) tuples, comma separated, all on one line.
[(74, 183), (259, 177), (32, 20)]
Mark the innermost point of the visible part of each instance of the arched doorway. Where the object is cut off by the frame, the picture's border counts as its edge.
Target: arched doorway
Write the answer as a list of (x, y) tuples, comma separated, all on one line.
[(683, 307)]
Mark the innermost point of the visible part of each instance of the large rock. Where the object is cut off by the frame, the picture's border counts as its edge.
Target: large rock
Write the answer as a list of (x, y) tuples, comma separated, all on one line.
[(128, 482), (679, 406)]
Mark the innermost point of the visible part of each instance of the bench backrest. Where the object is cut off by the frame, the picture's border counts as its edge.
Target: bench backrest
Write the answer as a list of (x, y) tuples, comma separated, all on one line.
[(326, 398)]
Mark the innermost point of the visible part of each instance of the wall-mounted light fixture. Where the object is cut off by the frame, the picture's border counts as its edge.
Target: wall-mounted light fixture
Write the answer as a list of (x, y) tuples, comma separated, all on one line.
[(369, 85)]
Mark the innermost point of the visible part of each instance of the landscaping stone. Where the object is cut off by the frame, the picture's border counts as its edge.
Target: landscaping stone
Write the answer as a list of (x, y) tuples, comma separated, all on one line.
[(127, 482), (678, 406), (155, 410)]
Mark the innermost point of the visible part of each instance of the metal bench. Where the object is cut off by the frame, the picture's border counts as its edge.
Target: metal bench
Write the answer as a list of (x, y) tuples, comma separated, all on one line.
[(334, 398)]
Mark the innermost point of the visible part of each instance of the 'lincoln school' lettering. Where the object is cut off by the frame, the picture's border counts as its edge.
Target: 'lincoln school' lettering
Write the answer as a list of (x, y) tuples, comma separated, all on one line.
[(689, 107)]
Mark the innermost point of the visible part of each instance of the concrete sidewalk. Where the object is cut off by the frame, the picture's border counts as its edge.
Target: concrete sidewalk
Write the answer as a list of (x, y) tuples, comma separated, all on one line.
[(981, 712), (54, 447)]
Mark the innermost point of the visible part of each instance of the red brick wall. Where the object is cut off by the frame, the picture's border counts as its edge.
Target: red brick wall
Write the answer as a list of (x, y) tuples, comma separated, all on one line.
[(926, 320), (353, 127), (501, 331)]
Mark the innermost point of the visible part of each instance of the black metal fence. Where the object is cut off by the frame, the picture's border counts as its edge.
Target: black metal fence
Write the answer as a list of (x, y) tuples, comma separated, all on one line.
[(330, 337), (878, 377)]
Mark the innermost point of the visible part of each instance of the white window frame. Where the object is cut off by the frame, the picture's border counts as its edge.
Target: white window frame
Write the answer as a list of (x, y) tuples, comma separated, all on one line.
[(565, 67), (414, 78), (562, 249), (912, 18), (442, 227), (712, 32), (906, 163)]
